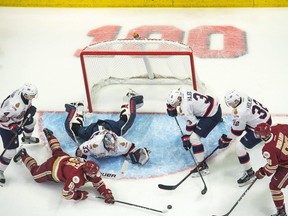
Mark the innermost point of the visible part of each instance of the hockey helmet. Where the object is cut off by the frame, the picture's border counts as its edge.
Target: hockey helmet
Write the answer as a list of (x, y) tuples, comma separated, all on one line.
[(263, 131), (90, 168), (109, 141), (173, 96), (232, 97), (29, 91)]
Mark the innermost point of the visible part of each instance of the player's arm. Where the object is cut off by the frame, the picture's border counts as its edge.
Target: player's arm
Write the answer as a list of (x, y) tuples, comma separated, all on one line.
[(70, 191)]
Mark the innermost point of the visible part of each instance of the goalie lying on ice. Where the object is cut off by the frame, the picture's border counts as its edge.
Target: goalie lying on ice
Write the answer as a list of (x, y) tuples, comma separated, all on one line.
[(106, 143), (104, 137)]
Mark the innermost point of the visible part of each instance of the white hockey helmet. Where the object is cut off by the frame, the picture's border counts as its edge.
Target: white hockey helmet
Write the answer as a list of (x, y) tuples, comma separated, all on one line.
[(231, 97), (109, 141), (173, 96), (29, 91)]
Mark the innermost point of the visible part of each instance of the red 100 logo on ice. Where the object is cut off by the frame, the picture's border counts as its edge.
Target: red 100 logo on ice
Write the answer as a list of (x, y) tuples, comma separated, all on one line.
[(206, 41)]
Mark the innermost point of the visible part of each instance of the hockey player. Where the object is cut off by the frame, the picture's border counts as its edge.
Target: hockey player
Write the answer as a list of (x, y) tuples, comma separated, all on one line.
[(202, 113), (104, 138), (107, 144), (16, 116), (75, 119), (247, 114), (61, 167), (275, 152)]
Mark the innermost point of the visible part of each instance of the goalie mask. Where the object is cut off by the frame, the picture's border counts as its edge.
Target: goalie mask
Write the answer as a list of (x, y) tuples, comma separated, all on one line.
[(90, 168), (109, 141), (29, 91)]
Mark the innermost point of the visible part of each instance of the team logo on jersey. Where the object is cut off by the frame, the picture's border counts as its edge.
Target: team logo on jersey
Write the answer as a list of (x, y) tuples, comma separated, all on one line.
[(17, 105), (76, 179), (235, 112), (94, 145), (266, 154)]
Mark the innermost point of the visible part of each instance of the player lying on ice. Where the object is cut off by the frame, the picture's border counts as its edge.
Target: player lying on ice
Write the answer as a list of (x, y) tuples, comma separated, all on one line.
[(104, 137), (61, 167)]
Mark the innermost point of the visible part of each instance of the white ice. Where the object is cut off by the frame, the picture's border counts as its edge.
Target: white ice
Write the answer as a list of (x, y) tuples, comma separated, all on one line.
[(37, 46)]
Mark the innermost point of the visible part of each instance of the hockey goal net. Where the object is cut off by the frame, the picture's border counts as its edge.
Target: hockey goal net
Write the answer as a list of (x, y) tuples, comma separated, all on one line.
[(137, 62)]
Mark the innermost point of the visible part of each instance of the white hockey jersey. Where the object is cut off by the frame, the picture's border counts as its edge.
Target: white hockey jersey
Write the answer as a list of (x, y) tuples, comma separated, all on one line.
[(95, 146), (13, 110), (249, 113), (195, 105)]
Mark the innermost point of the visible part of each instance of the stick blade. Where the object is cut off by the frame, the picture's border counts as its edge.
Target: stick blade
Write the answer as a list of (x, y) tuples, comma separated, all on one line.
[(167, 187)]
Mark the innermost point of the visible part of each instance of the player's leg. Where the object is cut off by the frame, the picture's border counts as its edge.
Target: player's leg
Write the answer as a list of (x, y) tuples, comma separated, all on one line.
[(8, 152), (247, 141), (132, 101), (75, 119), (28, 130)]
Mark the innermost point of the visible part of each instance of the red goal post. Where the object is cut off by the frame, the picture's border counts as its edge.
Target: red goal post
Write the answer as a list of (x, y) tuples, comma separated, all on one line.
[(140, 62)]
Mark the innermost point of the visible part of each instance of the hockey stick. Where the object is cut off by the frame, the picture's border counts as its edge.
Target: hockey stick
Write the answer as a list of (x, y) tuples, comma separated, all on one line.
[(16, 135), (173, 187), (138, 206), (228, 213), (118, 175), (193, 158)]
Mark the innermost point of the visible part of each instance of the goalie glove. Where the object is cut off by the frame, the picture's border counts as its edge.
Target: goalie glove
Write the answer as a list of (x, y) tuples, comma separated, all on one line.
[(141, 156), (171, 111)]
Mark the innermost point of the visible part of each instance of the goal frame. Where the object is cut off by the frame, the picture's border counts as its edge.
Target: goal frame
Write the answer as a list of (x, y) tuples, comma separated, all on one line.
[(84, 53)]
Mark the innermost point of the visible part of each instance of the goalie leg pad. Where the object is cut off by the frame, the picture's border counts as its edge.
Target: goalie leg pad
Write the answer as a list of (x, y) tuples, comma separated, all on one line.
[(132, 95), (128, 115), (75, 119), (141, 156)]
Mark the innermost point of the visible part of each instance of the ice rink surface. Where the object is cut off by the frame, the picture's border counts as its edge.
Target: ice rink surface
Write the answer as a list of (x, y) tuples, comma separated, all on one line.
[(38, 46)]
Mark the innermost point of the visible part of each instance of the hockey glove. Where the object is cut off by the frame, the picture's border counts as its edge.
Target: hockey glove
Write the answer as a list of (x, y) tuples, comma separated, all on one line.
[(81, 195), (108, 196), (224, 141), (260, 173), (31, 110), (16, 129), (172, 111), (186, 142)]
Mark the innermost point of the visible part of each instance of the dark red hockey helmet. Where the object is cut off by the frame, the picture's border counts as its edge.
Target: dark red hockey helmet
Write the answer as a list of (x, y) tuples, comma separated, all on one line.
[(263, 131), (90, 168)]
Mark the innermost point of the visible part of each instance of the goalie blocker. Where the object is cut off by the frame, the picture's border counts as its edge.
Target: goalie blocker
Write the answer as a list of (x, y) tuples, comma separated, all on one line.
[(74, 123)]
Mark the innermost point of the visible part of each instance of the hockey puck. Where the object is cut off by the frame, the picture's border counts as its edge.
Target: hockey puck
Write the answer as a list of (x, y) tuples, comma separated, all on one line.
[(169, 206)]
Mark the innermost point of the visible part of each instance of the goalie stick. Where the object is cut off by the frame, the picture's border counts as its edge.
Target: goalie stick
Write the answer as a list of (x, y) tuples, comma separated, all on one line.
[(173, 187), (228, 213), (138, 206), (118, 175), (194, 160)]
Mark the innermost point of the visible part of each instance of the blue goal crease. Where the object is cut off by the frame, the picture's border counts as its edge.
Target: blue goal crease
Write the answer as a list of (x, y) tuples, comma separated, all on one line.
[(158, 132)]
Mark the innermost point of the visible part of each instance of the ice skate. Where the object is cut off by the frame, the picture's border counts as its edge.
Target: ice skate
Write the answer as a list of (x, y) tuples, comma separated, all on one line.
[(75, 119), (203, 169), (131, 94), (29, 139), (2, 178), (248, 176), (18, 156), (280, 212)]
